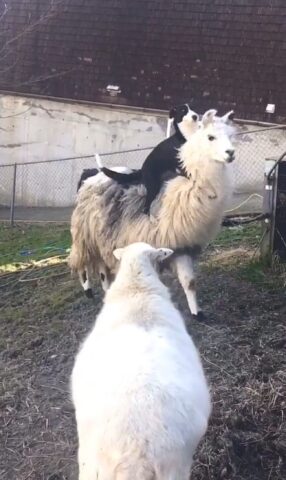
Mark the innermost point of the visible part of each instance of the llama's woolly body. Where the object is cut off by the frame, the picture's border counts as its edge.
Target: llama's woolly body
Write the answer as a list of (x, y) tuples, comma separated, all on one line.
[(141, 398), (185, 216), (187, 213)]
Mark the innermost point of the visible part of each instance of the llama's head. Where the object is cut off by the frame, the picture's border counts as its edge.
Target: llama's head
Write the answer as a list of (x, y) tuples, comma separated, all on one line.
[(184, 119), (210, 143), (141, 255)]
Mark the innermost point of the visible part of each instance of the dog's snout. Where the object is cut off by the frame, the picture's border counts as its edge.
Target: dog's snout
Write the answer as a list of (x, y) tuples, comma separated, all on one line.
[(230, 153), (195, 117)]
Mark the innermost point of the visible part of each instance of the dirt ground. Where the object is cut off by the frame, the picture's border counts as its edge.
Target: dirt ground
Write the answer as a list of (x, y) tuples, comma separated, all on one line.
[(44, 317)]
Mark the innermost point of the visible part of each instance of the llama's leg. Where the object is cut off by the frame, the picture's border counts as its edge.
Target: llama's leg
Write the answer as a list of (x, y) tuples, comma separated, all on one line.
[(104, 276), (84, 278), (186, 275), (152, 184)]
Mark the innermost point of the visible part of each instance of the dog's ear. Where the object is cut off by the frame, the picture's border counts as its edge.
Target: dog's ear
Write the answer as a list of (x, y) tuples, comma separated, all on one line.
[(172, 112)]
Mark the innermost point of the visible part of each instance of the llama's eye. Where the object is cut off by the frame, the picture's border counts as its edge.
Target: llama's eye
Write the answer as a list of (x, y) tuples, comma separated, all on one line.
[(211, 138)]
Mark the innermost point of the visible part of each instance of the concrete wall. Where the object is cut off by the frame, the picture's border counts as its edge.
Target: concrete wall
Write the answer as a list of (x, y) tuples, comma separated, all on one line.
[(38, 129), (34, 129)]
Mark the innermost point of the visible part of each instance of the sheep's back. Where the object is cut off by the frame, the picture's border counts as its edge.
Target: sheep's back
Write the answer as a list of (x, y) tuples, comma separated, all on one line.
[(145, 386)]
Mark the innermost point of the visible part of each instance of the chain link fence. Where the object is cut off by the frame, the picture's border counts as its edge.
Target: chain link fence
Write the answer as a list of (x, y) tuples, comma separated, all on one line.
[(46, 190), (252, 149)]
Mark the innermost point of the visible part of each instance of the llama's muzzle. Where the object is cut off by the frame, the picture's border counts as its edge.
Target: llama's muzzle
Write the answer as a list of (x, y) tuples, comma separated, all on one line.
[(231, 156)]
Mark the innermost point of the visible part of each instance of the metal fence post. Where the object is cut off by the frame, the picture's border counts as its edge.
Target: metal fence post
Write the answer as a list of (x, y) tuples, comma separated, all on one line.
[(12, 209)]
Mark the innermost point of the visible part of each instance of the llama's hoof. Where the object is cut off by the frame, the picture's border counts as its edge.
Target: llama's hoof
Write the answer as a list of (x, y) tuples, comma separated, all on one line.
[(200, 317), (89, 293)]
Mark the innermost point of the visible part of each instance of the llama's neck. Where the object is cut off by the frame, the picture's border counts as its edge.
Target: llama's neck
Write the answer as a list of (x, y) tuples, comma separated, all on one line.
[(192, 208), (210, 172), (213, 186)]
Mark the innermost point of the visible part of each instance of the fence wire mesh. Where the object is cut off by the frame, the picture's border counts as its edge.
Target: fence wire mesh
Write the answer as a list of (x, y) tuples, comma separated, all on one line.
[(46, 190), (6, 184)]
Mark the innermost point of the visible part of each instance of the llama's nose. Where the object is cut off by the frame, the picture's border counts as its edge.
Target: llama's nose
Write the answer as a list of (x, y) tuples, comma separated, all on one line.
[(194, 117), (230, 153)]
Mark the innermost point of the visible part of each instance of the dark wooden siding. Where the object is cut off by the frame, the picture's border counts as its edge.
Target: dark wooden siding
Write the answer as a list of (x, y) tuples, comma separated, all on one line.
[(225, 53)]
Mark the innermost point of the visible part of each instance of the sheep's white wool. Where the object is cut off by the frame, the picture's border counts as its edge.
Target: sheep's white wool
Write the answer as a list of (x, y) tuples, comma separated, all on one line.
[(141, 399)]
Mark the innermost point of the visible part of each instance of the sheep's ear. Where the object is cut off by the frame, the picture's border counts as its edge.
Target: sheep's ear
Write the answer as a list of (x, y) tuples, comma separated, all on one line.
[(162, 254), (118, 253), (228, 117), (172, 112), (208, 117)]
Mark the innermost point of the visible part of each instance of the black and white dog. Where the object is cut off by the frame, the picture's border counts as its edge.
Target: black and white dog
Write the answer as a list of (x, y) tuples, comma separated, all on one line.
[(164, 157), (87, 172)]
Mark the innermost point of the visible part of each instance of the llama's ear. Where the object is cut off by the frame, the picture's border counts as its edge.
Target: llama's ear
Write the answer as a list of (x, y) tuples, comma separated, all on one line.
[(208, 117), (118, 253), (162, 254), (228, 117), (172, 112)]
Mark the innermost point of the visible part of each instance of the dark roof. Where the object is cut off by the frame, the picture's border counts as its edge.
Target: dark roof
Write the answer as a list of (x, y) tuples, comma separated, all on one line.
[(226, 53)]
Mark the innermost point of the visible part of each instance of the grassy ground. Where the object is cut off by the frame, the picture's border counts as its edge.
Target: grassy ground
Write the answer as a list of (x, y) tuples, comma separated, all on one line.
[(44, 317), (21, 245), (238, 250)]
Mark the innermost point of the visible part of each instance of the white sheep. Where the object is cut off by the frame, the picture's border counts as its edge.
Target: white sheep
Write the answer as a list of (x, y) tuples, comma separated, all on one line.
[(141, 399), (186, 215)]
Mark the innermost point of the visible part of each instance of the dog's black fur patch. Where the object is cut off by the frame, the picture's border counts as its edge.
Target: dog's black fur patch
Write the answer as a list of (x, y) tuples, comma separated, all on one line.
[(87, 172), (162, 159)]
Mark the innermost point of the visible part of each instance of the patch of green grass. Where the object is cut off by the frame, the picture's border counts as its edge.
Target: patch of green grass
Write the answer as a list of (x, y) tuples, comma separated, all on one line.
[(15, 314), (243, 235), (253, 271), (59, 299), (259, 272), (247, 268), (237, 252), (20, 245)]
